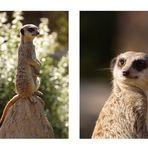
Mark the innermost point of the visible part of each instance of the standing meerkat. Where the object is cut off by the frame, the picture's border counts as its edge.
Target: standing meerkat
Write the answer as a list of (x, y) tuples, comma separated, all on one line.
[(27, 80), (28, 68), (124, 114)]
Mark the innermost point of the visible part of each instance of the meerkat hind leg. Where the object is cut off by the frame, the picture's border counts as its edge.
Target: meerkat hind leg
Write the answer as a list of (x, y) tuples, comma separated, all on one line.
[(41, 100), (38, 93), (33, 99)]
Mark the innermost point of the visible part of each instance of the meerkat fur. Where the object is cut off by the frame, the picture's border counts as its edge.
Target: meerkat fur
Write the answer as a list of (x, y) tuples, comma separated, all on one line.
[(28, 68), (124, 114)]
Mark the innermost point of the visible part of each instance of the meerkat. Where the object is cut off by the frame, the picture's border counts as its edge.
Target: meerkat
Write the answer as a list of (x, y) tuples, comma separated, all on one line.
[(124, 114), (27, 80), (28, 68)]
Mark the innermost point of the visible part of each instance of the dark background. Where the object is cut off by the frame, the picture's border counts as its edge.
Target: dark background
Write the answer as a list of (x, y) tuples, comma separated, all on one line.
[(103, 35), (98, 31)]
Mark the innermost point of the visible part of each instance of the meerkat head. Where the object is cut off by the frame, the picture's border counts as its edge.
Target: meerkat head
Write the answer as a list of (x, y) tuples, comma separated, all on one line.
[(29, 32), (131, 68)]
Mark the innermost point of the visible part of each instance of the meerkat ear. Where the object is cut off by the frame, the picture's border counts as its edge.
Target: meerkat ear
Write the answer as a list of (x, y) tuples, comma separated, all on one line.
[(112, 64), (147, 60), (22, 31)]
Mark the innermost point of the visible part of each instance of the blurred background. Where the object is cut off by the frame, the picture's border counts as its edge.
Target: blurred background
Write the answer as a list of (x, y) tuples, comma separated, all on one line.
[(52, 51), (103, 35)]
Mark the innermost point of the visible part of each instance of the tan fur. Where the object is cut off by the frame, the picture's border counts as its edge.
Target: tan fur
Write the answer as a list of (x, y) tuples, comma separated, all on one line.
[(27, 80), (28, 65), (124, 114)]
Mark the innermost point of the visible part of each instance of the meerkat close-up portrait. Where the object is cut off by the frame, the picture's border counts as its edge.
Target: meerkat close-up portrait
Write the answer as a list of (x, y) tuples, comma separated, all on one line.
[(124, 114), (28, 68)]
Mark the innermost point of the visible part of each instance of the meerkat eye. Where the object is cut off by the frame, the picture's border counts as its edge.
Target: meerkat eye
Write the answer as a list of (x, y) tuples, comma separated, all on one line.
[(30, 29), (139, 65), (121, 62)]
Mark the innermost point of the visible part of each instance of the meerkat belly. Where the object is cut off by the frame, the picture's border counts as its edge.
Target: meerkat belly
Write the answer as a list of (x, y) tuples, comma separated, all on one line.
[(36, 79), (24, 81)]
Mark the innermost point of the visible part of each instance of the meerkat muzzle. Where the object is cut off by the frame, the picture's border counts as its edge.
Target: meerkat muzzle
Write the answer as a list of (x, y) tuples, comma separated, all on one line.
[(37, 33)]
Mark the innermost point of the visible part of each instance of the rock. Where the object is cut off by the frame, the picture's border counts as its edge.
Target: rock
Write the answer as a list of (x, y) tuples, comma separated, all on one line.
[(26, 119)]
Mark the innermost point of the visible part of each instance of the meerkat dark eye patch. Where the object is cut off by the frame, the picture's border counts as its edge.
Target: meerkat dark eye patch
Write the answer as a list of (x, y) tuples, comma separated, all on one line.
[(121, 62), (140, 65), (31, 29)]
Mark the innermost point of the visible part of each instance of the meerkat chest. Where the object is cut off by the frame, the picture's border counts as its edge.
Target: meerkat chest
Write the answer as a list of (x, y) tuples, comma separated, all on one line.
[(125, 105), (26, 51), (33, 53)]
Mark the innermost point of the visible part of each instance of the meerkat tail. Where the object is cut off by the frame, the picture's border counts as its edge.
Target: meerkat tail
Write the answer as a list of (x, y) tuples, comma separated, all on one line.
[(7, 107)]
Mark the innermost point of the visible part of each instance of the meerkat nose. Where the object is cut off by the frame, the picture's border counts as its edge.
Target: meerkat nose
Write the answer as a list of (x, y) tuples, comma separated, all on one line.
[(38, 33), (125, 73)]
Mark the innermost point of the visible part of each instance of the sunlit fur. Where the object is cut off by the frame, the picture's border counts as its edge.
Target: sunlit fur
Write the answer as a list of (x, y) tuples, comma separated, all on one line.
[(28, 68), (124, 114), (29, 36)]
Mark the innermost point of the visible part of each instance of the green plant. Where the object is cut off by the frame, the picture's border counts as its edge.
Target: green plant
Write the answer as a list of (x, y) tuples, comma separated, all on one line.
[(54, 73)]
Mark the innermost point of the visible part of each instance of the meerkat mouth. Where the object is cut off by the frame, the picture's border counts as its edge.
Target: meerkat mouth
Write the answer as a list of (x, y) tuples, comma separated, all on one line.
[(131, 77), (35, 34)]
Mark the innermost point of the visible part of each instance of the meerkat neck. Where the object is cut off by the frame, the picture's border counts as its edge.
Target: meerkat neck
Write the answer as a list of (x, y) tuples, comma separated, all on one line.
[(119, 87), (26, 40)]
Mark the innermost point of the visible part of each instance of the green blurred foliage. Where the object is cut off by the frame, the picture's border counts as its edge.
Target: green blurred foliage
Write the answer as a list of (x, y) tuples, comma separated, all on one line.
[(98, 31), (54, 73), (58, 22)]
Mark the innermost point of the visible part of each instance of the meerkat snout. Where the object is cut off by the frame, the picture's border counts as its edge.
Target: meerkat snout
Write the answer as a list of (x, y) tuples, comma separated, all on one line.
[(126, 73), (131, 70), (138, 65)]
